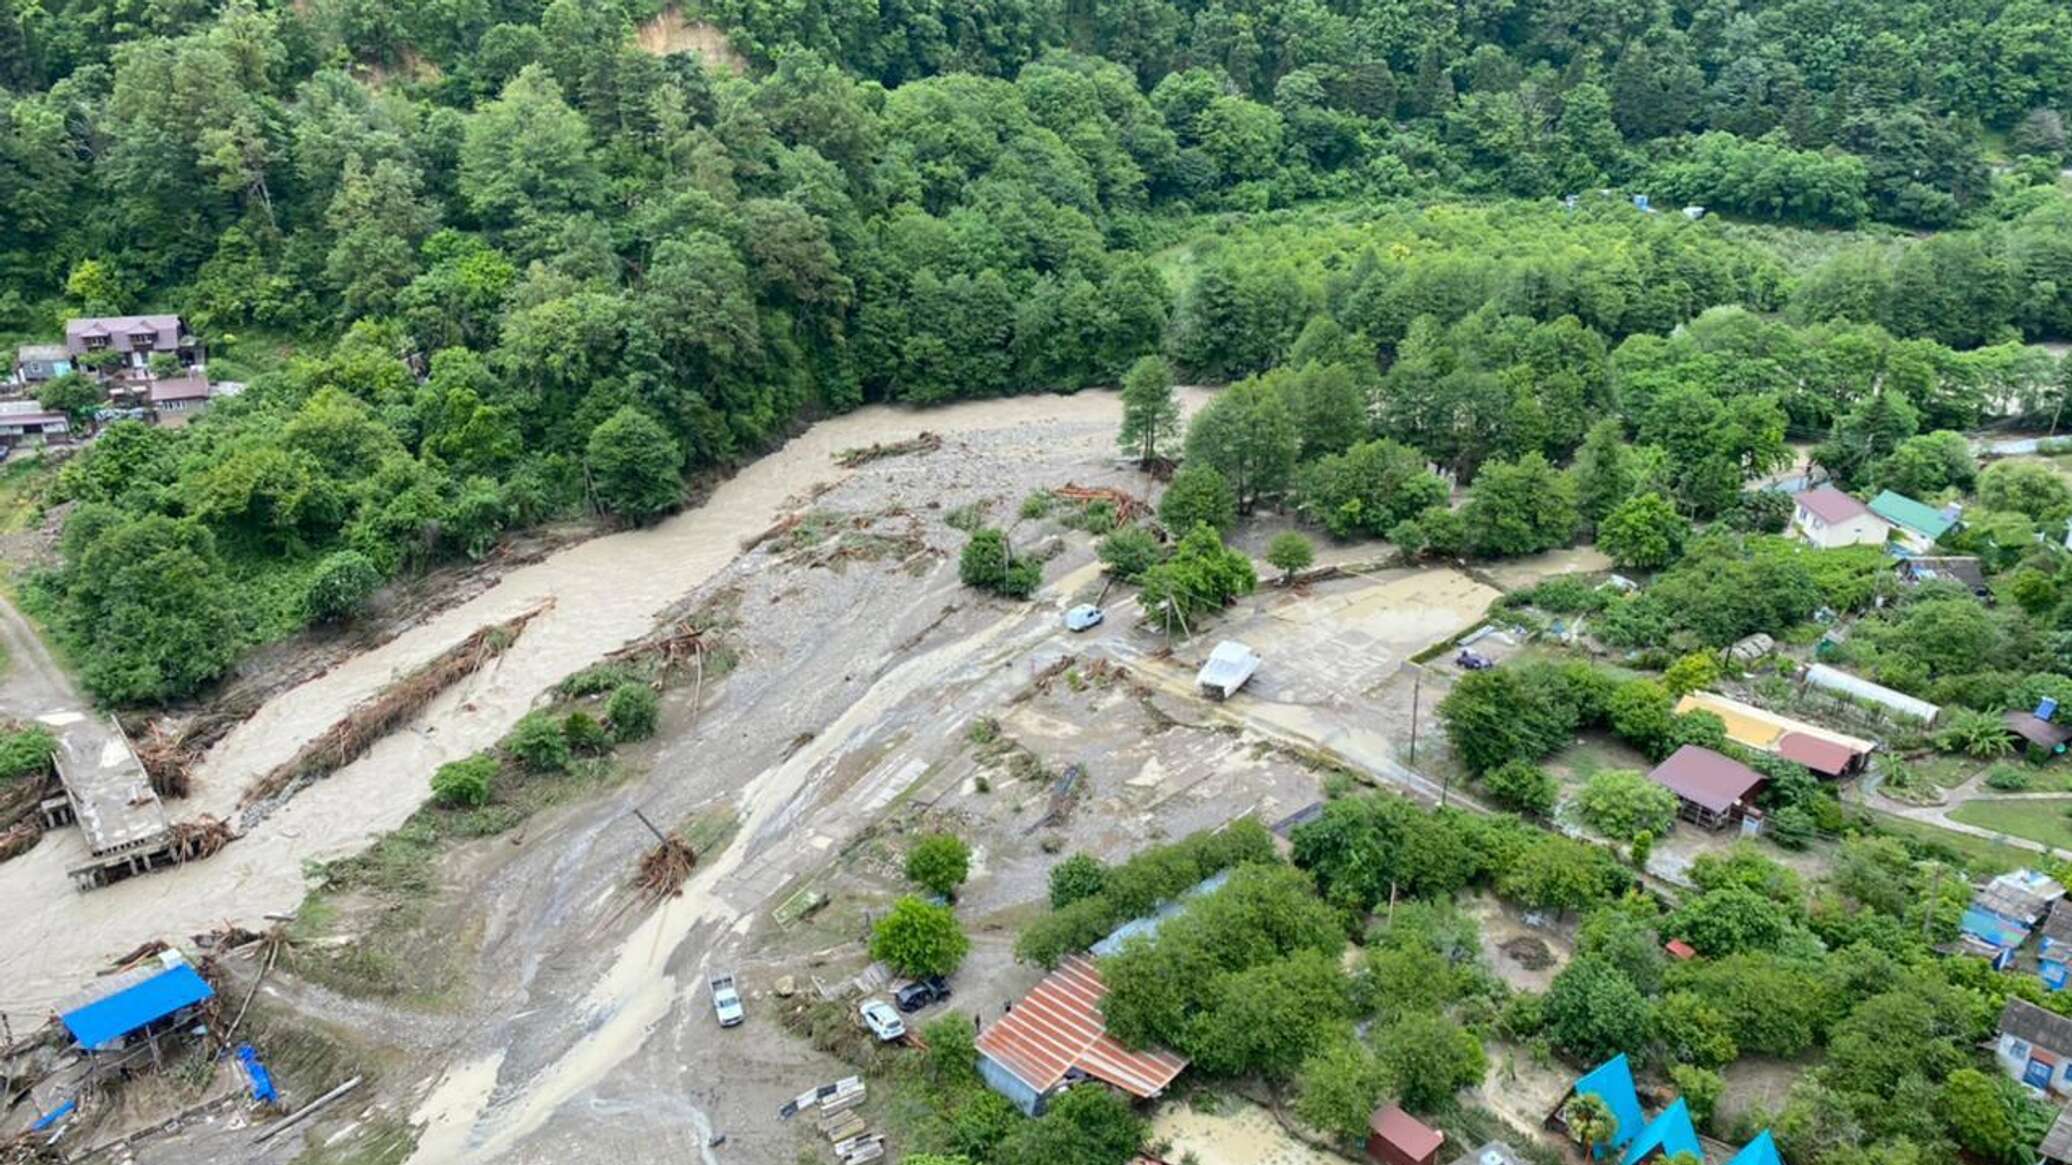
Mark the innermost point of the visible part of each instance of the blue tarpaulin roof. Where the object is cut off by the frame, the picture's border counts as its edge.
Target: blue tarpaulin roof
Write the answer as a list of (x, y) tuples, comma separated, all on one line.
[(1990, 928), (1761, 1151), (1670, 1131), (1612, 1082), (104, 1021)]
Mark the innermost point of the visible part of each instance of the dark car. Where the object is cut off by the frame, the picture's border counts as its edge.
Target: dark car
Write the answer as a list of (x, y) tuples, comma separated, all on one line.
[(922, 992), (1470, 661)]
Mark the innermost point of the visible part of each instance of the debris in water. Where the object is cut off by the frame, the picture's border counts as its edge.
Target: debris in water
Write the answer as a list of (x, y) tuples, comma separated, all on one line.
[(359, 730), (925, 442)]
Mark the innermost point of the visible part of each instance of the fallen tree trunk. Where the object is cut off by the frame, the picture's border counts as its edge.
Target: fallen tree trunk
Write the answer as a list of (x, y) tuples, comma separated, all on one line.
[(358, 730)]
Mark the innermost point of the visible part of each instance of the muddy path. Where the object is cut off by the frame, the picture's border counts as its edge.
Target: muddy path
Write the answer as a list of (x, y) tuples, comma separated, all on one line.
[(603, 594)]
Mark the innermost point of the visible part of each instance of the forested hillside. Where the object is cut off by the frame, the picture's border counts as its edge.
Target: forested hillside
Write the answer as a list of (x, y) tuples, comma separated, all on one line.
[(520, 262)]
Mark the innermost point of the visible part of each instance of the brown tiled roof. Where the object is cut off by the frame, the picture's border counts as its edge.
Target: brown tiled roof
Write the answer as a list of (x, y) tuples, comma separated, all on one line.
[(1059, 1027), (1706, 778), (2043, 733), (1832, 505), (180, 388)]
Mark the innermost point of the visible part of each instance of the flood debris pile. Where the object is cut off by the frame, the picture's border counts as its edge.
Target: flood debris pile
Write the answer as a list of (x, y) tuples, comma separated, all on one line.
[(360, 729), (924, 442), (1128, 508), (663, 870)]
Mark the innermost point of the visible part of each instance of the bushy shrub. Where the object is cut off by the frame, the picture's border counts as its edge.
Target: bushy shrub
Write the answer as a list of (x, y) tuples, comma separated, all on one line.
[(585, 734), (988, 565), (632, 711), (26, 750), (1623, 804), (464, 784), (340, 587), (539, 743), (1129, 552)]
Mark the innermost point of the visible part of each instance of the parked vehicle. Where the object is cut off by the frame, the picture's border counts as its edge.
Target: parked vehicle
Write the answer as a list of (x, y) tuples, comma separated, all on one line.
[(922, 992), (726, 1001), (882, 1020), (1084, 616), (1469, 661)]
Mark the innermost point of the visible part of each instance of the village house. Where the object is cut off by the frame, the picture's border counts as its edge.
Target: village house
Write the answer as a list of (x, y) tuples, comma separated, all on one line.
[(1394, 1137), (36, 363), (2054, 952), (1964, 572), (24, 422), (2035, 1046), (1829, 519), (2004, 911), (1916, 526), (130, 1011), (134, 340), (2040, 730), (1824, 752), (1056, 1037), (1711, 790)]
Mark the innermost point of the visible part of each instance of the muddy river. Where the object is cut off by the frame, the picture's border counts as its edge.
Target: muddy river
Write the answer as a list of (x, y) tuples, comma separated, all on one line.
[(594, 597)]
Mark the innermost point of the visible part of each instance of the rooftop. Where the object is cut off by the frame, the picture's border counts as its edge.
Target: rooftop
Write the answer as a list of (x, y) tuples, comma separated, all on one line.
[(2057, 1143), (1414, 1138), (28, 352), (1705, 778), (109, 789), (1762, 729), (2042, 733), (1908, 514), (2024, 1020), (1831, 505), (151, 998), (1058, 1026), (189, 387), (1835, 679), (1612, 1082)]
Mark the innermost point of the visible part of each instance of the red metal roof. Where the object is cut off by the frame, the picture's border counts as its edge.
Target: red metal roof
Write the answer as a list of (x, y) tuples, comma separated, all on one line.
[(1832, 505), (1059, 1027), (1705, 777), (1680, 949), (1408, 1135), (1822, 756)]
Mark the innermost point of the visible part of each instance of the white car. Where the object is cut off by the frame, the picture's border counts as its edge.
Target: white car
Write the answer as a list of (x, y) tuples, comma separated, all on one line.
[(882, 1020), (1083, 616)]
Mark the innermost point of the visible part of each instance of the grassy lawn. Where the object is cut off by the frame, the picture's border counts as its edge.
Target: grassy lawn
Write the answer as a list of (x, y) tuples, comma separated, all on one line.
[(1982, 855), (1595, 753), (1946, 770), (2041, 819)]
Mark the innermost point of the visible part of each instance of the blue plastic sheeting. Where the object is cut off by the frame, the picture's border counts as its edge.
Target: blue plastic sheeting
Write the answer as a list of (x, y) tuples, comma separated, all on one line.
[(1761, 1151), (105, 1021), (1990, 928), (262, 1080), (1670, 1132), (1147, 926), (54, 1116), (1612, 1082)]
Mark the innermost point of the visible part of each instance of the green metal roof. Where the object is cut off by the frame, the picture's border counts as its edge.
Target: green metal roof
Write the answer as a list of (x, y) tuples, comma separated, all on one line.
[(1901, 510)]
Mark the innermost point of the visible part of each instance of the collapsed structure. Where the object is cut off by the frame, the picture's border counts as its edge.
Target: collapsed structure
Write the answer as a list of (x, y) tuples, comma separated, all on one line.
[(108, 793)]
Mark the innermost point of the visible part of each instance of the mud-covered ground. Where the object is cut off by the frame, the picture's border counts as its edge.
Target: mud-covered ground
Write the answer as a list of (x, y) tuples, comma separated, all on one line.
[(874, 698)]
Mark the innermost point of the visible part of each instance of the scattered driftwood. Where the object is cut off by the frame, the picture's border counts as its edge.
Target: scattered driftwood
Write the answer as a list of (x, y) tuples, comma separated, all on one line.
[(147, 950), (1128, 508), (169, 754), (778, 529), (19, 838), (203, 837), (664, 868), (671, 648), (358, 730), (925, 442)]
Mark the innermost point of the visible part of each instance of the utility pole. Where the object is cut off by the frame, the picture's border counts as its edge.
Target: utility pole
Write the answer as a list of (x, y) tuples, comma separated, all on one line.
[(1416, 697)]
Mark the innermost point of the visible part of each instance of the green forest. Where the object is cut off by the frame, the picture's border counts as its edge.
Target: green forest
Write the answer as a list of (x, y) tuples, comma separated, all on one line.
[(485, 263)]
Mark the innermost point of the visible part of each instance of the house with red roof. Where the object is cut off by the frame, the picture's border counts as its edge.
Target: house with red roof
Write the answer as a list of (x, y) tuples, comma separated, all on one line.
[(1829, 518), (1056, 1037), (1711, 789)]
